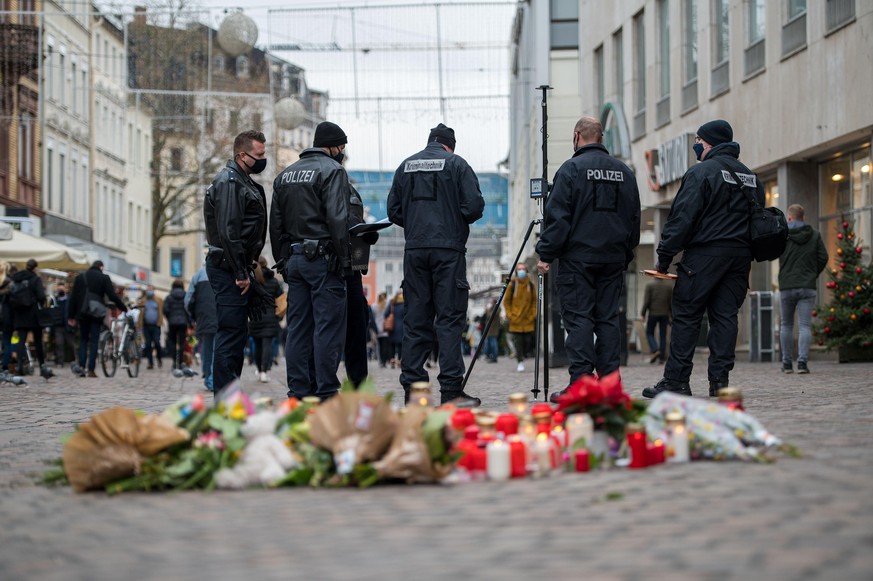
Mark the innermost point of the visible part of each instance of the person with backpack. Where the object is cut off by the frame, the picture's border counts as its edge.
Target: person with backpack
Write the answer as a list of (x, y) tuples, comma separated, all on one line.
[(26, 297), (89, 291), (709, 221), (177, 321), (6, 326)]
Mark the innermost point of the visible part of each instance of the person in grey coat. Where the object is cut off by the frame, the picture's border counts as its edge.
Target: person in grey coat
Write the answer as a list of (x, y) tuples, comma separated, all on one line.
[(200, 304)]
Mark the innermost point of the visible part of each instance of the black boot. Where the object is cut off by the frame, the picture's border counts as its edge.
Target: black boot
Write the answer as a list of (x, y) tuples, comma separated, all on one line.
[(678, 387), (714, 386), (46, 372), (460, 399)]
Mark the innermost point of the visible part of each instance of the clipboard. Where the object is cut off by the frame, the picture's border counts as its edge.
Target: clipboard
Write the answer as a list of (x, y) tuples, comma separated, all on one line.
[(659, 275), (364, 227)]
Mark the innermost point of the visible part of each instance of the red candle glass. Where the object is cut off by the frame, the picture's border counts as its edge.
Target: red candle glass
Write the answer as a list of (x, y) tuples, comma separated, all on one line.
[(479, 460), (636, 442), (517, 457), (463, 418), (580, 460), (506, 424)]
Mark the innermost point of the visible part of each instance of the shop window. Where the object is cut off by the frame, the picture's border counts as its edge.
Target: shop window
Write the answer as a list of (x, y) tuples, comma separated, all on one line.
[(177, 262), (847, 194)]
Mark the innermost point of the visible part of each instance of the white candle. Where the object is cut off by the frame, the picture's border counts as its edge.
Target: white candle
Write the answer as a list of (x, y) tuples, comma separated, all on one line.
[(579, 426), (679, 444), (543, 450), (498, 460)]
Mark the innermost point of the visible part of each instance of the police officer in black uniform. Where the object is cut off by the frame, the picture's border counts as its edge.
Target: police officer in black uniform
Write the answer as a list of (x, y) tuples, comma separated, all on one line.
[(235, 214), (435, 197), (709, 221), (309, 230), (592, 224)]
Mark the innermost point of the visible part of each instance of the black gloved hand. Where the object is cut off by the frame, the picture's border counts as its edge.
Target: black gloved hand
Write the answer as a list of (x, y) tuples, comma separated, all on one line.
[(279, 267), (370, 237), (346, 267), (662, 265), (259, 301)]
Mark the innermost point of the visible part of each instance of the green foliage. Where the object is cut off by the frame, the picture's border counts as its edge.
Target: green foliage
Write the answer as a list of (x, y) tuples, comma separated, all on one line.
[(847, 320)]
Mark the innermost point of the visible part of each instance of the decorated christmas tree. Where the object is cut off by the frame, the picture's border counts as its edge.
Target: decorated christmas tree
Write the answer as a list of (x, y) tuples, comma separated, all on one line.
[(846, 321)]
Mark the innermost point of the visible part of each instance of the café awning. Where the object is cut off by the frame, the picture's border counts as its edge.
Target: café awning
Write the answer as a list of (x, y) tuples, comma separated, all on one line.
[(17, 248)]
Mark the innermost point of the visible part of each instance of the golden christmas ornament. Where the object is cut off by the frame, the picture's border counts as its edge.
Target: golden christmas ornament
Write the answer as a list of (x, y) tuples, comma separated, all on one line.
[(840, 251)]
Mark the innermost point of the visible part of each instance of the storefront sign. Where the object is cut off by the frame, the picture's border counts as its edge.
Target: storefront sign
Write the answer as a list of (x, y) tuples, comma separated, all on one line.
[(669, 162)]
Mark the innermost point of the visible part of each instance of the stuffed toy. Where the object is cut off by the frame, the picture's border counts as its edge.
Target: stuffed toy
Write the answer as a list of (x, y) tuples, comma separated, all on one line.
[(265, 458)]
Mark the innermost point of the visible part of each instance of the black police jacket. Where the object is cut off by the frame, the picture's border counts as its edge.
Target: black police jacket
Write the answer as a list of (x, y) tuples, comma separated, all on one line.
[(235, 213), (593, 210), (710, 214), (435, 196), (311, 201)]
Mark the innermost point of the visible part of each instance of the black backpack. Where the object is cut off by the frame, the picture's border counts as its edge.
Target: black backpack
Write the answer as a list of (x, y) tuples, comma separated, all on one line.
[(768, 228), (21, 295)]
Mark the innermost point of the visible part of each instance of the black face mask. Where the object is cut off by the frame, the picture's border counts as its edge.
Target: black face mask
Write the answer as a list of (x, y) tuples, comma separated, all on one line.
[(257, 167), (339, 157), (61, 293)]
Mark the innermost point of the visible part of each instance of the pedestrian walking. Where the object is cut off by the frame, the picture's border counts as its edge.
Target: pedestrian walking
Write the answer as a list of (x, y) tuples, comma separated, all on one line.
[(804, 258), (656, 312), (63, 333), (152, 308), (382, 340), (709, 221), (265, 328), (6, 326), (177, 322), (309, 235), (520, 305), (434, 197), (592, 225), (235, 216), (90, 290), (491, 347), (200, 304), (26, 297), (396, 310)]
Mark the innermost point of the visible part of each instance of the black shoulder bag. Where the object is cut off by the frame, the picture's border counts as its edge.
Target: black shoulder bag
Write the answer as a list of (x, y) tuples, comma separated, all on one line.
[(768, 228)]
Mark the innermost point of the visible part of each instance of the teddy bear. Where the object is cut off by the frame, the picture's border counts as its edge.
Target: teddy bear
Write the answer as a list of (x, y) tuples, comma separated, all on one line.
[(265, 459)]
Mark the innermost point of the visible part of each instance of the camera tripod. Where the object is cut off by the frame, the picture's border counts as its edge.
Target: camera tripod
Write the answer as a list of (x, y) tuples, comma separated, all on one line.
[(540, 329)]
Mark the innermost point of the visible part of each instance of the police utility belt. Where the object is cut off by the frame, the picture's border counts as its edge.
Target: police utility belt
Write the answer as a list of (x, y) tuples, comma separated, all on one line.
[(313, 249)]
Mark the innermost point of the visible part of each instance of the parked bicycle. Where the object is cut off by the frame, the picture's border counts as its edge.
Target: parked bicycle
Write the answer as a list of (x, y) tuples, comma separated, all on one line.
[(119, 344)]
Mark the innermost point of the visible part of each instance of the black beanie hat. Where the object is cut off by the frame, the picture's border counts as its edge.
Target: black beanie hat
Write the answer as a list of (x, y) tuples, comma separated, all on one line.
[(329, 134), (716, 132), (442, 134)]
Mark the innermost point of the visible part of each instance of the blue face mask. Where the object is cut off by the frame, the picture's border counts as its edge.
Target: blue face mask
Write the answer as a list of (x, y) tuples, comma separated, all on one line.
[(150, 294), (521, 273), (698, 150)]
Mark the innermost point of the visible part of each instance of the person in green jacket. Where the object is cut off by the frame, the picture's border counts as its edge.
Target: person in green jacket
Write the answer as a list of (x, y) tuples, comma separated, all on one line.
[(804, 258)]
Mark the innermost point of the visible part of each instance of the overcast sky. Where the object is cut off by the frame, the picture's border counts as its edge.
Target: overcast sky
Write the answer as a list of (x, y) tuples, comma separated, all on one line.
[(386, 93)]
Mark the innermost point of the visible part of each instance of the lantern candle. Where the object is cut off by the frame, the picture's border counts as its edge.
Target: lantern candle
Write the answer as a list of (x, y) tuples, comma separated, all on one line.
[(517, 456), (678, 437), (636, 443), (419, 394), (560, 436), (527, 430), (579, 427), (486, 424), (506, 425), (580, 460), (543, 450), (518, 404), (731, 398), (498, 460)]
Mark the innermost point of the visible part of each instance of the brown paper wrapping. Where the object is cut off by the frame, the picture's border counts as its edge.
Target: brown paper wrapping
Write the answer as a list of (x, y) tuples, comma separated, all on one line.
[(363, 422), (112, 445), (407, 458)]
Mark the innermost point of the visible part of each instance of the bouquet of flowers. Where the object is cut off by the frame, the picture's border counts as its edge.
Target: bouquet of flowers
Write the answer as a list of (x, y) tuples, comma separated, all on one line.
[(605, 401)]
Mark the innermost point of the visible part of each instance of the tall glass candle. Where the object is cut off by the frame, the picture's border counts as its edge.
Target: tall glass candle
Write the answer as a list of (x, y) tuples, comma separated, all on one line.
[(498, 460), (579, 427), (580, 460), (677, 437), (419, 394), (636, 443), (517, 457), (518, 404), (543, 451)]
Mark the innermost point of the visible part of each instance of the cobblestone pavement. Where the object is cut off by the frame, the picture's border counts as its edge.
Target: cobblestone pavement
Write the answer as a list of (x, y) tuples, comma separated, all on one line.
[(809, 518)]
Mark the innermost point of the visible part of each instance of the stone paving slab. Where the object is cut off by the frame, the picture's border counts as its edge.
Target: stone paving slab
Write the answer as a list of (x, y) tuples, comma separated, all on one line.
[(808, 518)]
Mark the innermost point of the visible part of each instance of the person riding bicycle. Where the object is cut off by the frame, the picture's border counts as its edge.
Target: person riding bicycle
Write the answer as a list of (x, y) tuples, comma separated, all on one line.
[(90, 285)]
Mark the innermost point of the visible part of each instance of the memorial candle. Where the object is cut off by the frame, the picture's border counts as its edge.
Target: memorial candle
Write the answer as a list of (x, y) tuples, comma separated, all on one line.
[(580, 460), (677, 437), (579, 427), (518, 404), (517, 457), (636, 443), (498, 460), (543, 451), (506, 425), (419, 394)]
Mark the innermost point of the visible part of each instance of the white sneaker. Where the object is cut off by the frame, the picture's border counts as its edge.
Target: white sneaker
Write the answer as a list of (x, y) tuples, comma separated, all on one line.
[(520, 367), (264, 378)]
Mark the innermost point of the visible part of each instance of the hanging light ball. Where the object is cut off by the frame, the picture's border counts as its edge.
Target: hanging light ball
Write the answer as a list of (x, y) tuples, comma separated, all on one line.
[(290, 113), (237, 34)]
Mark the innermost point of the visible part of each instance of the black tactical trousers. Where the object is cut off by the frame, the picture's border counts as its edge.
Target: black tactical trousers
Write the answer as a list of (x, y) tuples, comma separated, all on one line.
[(436, 291), (717, 286), (590, 294)]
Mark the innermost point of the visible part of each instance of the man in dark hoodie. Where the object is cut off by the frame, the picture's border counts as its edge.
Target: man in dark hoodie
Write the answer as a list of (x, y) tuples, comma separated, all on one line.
[(709, 221), (804, 258), (177, 321)]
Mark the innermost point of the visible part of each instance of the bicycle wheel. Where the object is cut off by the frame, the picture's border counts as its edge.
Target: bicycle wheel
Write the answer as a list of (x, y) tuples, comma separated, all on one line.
[(132, 356), (108, 361)]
